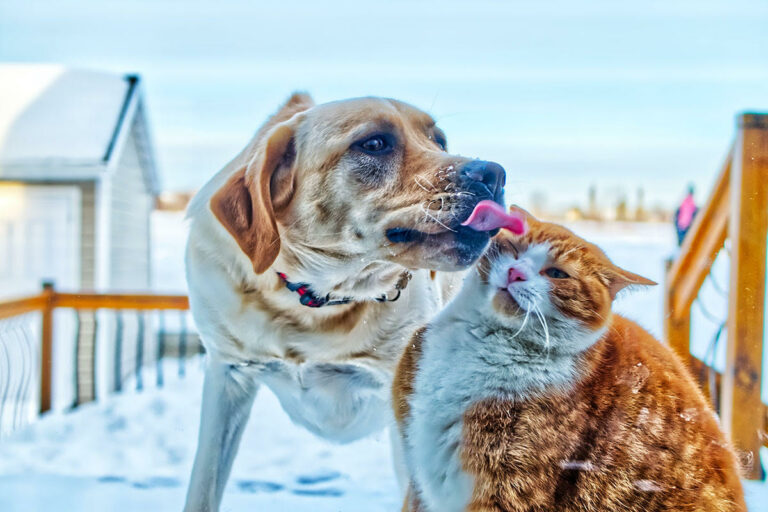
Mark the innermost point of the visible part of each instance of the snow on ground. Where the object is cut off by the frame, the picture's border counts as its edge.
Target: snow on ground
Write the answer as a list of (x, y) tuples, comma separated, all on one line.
[(134, 451)]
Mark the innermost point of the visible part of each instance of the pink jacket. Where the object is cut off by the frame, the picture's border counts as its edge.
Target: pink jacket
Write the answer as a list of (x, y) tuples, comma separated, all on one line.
[(686, 212)]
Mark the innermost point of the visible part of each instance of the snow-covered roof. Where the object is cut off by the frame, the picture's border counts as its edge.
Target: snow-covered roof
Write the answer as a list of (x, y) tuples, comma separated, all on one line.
[(58, 123)]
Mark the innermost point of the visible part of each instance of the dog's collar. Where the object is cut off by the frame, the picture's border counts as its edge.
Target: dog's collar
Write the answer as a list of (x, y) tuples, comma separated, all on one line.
[(308, 298)]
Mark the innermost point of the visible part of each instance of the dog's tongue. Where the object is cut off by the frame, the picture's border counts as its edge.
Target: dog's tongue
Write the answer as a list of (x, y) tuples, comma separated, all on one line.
[(489, 215)]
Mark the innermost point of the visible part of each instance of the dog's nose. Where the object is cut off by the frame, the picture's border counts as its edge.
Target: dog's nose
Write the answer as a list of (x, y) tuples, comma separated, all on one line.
[(515, 275), (490, 174)]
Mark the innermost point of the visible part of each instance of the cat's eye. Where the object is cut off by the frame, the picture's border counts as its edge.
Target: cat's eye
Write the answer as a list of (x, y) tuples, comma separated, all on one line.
[(556, 273)]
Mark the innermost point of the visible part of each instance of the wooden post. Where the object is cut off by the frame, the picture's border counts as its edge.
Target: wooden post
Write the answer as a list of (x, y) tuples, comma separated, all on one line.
[(687, 273), (677, 324), (678, 332), (46, 347), (742, 409)]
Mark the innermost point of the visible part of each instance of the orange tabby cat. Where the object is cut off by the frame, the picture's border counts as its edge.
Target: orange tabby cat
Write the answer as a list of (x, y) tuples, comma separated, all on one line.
[(527, 394)]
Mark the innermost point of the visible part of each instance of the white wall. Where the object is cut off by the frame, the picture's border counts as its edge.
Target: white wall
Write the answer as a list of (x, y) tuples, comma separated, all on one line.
[(131, 205)]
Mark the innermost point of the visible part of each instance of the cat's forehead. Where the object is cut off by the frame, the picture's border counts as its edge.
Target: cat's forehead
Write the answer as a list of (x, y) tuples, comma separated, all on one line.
[(557, 240)]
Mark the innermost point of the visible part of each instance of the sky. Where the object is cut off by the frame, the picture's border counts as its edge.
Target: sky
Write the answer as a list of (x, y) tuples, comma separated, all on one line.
[(564, 94)]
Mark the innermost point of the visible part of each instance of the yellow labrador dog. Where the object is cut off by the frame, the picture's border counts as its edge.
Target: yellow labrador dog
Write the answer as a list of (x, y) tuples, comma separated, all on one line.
[(311, 261)]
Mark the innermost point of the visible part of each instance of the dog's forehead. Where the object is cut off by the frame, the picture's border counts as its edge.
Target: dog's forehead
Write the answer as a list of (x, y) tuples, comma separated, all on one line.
[(346, 115)]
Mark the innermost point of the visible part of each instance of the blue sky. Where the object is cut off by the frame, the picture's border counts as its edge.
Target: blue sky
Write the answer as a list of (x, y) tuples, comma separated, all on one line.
[(563, 94)]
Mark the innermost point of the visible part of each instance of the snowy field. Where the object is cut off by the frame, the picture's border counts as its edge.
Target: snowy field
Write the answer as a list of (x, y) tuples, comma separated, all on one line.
[(135, 451)]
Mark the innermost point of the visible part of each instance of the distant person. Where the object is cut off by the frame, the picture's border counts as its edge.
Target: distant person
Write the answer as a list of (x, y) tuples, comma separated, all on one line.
[(684, 215)]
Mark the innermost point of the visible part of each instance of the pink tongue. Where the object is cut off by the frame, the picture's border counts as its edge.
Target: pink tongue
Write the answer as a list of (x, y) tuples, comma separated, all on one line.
[(489, 215)]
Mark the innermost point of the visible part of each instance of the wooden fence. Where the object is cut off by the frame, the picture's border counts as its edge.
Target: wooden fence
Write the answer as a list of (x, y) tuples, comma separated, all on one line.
[(51, 300), (735, 214)]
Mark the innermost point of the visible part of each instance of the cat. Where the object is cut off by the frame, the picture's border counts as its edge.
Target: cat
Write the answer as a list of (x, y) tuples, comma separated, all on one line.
[(526, 393)]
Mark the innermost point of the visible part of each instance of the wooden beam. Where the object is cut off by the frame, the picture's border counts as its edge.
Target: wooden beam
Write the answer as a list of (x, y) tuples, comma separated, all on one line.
[(677, 327), (700, 247), (23, 306), (121, 301), (742, 408)]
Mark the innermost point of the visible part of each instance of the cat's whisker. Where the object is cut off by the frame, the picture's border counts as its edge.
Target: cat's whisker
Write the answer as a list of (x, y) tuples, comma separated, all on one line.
[(544, 325), (525, 319)]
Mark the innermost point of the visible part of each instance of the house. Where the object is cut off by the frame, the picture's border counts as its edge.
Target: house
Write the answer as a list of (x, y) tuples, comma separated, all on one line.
[(77, 180)]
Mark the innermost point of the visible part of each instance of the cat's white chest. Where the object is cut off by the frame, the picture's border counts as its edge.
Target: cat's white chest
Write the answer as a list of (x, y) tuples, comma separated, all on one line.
[(433, 431), (461, 364)]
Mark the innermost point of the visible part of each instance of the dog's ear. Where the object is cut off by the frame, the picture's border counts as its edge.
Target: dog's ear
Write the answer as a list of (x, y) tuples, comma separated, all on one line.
[(247, 203), (297, 102)]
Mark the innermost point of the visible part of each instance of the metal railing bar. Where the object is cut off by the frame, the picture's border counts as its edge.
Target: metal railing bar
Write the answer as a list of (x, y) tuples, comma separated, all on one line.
[(7, 385), (25, 369), (76, 367), (118, 363), (28, 377), (183, 345), (707, 314), (94, 339), (160, 348), (139, 351)]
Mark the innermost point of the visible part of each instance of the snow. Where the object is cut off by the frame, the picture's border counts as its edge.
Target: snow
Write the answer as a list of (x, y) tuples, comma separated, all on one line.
[(53, 114), (134, 451)]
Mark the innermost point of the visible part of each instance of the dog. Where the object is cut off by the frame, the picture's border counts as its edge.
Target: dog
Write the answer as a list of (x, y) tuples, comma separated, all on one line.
[(312, 258)]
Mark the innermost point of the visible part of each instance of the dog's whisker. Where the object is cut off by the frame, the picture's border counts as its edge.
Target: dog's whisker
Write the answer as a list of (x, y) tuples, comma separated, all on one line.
[(431, 185), (438, 220), (421, 185)]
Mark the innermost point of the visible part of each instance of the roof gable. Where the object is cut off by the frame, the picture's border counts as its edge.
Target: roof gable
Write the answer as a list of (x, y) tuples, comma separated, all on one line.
[(64, 124), (52, 113)]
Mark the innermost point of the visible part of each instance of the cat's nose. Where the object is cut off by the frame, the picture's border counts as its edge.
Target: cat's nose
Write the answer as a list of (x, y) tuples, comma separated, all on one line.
[(515, 275)]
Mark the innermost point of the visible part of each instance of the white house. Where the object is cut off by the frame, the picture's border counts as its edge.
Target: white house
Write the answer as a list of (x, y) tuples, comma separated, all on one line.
[(77, 180)]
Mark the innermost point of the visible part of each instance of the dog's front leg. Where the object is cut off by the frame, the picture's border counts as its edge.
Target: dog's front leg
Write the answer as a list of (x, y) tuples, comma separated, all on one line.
[(227, 399)]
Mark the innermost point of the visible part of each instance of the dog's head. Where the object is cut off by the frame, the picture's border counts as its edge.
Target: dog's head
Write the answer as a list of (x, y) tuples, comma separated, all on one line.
[(358, 181)]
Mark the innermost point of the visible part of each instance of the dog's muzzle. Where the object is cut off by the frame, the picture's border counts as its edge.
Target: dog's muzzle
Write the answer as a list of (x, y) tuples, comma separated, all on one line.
[(483, 179), (480, 180)]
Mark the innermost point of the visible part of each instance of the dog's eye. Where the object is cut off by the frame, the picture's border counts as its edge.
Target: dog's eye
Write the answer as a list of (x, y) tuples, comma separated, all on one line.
[(556, 273), (378, 144), (439, 139)]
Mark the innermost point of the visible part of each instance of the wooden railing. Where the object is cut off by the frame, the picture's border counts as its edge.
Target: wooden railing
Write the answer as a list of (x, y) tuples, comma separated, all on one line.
[(737, 211), (49, 300)]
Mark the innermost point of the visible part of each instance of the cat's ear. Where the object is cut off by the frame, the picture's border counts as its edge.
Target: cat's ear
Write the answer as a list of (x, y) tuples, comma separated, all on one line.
[(530, 220), (521, 211), (619, 279)]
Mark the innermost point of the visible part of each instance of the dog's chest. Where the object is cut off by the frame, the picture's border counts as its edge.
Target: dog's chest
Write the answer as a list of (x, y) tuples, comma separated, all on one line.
[(341, 401)]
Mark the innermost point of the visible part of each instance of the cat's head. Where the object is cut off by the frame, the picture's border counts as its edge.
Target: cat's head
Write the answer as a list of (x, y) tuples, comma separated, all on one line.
[(550, 275)]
